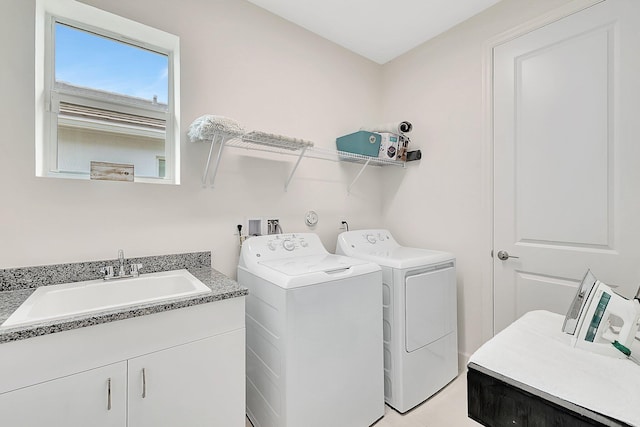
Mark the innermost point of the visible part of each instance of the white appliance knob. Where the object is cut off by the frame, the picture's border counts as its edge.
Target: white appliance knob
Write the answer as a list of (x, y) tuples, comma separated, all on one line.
[(288, 245), (271, 246), (371, 238), (304, 244)]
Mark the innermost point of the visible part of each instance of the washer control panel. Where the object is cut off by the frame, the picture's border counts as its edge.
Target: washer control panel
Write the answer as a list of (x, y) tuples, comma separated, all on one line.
[(283, 245), (258, 249)]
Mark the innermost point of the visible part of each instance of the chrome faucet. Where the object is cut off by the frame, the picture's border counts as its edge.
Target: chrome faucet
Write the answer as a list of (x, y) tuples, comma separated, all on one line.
[(121, 259), (109, 274)]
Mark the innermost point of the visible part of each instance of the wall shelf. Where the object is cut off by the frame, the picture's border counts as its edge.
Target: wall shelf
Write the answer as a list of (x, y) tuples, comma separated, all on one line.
[(259, 141)]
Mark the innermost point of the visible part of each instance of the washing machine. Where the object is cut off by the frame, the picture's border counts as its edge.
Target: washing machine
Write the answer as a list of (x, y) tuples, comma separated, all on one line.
[(420, 320), (314, 334)]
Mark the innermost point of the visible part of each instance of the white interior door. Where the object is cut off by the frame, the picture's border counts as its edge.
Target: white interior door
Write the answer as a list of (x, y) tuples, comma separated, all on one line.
[(567, 159)]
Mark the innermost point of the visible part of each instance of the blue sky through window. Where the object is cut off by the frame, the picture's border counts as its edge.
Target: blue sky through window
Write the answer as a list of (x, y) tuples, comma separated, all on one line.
[(85, 59)]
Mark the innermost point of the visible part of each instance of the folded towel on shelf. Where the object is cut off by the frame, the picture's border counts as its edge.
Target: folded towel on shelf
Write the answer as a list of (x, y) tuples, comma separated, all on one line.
[(279, 141), (204, 127), (397, 128)]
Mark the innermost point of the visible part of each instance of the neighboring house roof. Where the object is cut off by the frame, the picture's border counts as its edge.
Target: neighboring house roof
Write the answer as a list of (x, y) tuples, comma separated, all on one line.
[(81, 111)]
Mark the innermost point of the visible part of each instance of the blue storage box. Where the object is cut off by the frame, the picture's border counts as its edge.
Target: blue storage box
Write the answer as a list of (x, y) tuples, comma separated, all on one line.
[(361, 142)]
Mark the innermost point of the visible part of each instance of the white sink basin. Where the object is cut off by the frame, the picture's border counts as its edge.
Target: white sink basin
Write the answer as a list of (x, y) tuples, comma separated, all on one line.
[(55, 302)]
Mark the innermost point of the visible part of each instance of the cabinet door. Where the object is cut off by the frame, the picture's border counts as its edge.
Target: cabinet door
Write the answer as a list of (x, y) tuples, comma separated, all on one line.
[(197, 384), (94, 398)]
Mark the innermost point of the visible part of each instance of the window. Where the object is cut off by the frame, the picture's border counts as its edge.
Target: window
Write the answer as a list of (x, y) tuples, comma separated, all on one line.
[(161, 167), (104, 96)]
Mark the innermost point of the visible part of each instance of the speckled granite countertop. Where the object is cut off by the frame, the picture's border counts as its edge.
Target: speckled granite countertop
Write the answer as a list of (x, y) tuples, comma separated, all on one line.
[(222, 288)]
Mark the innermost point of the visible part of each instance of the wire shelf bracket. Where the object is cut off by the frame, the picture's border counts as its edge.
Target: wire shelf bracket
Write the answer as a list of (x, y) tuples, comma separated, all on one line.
[(221, 139), (358, 175), (295, 167)]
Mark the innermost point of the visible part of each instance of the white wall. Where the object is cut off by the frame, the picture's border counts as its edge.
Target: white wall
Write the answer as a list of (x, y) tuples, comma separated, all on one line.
[(240, 61), (237, 60), (441, 203)]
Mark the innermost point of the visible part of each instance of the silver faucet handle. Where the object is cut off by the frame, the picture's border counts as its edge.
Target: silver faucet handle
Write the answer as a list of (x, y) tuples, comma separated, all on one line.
[(107, 271), (135, 269)]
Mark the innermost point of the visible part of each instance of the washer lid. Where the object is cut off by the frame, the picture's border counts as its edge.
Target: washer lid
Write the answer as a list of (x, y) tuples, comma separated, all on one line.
[(295, 272), (297, 266)]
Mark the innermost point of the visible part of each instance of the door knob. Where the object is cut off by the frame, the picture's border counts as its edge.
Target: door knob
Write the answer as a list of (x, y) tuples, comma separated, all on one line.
[(504, 255)]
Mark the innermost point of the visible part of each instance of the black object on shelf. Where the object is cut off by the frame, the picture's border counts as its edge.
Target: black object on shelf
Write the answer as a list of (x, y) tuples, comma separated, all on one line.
[(414, 155)]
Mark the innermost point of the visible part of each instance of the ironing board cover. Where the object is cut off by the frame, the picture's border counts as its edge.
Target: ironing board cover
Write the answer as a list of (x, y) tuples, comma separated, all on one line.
[(534, 351)]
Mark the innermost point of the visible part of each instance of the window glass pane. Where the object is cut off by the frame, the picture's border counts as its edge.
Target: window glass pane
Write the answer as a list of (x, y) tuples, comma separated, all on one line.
[(113, 102), (91, 61), (161, 167)]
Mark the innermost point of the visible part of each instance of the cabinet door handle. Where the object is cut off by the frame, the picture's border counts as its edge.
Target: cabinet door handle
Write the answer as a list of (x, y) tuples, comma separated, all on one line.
[(109, 394), (144, 383)]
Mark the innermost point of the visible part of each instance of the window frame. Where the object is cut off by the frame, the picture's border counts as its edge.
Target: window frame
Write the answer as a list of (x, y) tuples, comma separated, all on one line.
[(48, 97)]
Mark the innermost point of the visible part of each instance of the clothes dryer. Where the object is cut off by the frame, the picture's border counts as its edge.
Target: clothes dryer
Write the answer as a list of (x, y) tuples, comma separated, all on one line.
[(420, 320), (314, 334)]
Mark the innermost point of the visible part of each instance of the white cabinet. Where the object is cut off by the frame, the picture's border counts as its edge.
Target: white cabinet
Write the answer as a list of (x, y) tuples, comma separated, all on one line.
[(182, 367), (94, 398), (195, 384)]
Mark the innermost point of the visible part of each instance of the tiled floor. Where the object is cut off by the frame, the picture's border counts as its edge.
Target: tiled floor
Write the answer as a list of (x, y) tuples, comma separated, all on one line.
[(448, 408)]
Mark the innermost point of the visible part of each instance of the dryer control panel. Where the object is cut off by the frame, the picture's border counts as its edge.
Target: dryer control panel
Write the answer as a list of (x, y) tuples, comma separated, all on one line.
[(374, 237), (368, 241)]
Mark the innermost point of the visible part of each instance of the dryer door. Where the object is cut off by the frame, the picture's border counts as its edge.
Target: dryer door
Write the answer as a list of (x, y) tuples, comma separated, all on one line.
[(430, 306)]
